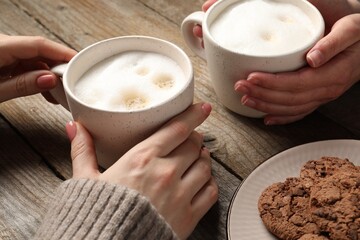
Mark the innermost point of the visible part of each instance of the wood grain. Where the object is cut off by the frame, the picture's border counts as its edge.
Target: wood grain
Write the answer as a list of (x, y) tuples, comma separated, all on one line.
[(34, 149), (26, 183)]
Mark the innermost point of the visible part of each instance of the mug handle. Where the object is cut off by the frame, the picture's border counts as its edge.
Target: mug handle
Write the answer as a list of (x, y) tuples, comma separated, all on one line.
[(58, 92), (194, 43)]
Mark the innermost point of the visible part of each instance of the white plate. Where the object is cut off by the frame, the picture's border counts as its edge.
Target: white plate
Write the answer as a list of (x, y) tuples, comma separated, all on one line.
[(243, 217)]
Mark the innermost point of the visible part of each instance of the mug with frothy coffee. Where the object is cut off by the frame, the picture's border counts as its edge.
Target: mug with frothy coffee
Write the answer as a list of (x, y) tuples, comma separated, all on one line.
[(123, 89), (244, 36)]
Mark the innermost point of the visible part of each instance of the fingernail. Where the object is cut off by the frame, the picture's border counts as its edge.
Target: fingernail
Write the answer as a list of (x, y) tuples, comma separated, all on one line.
[(206, 107), (251, 78), (71, 130), (239, 87), (269, 122), (315, 58), (46, 81), (248, 102)]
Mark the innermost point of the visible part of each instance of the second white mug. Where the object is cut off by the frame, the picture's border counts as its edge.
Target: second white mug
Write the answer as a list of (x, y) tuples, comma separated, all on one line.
[(228, 64)]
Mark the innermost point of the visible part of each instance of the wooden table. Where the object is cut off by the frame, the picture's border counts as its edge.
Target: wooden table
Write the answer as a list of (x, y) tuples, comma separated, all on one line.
[(35, 152)]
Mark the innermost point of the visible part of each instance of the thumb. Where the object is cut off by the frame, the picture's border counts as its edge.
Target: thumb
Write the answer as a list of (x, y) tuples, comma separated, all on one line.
[(27, 84), (343, 34), (83, 154)]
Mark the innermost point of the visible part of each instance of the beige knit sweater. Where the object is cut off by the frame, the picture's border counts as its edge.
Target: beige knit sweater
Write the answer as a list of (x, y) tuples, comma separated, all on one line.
[(86, 209)]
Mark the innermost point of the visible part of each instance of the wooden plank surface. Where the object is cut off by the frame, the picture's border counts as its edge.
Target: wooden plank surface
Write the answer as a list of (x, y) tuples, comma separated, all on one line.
[(36, 149), (26, 183), (63, 18)]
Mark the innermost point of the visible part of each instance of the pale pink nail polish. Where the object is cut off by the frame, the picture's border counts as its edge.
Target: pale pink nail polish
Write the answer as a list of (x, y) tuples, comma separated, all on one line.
[(46, 81), (239, 87), (269, 122), (71, 130), (249, 102), (206, 107)]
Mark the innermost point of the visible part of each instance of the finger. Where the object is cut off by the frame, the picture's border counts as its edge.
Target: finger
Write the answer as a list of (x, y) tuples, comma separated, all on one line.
[(26, 47), (198, 174), (187, 152), (197, 31), (279, 109), (205, 199), (208, 4), (285, 81), (27, 84), (83, 154), (38, 63), (177, 130), (288, 98), (304, 79), (281, 120), (344, 33)]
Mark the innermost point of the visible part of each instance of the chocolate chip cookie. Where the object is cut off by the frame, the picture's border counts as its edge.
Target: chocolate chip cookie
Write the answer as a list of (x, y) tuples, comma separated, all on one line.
[(284, 210), (322, 204), (335, 205), (315, 170)]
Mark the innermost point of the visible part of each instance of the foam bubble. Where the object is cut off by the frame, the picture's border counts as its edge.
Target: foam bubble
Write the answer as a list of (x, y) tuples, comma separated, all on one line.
[(142, 71), (164, 81)]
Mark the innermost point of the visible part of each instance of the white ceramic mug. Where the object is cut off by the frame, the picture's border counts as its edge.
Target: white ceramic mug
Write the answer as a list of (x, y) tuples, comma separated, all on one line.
[(227, 66), (115, 132)]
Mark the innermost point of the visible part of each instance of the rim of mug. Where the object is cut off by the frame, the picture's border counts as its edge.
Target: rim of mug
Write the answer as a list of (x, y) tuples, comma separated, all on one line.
[(225, 3), (189, 77)]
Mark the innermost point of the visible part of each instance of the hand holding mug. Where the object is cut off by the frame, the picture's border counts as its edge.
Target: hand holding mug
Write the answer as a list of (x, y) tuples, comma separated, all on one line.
[(333, 69), (125, 88), (308, 88), (241, 37), (170, 167)]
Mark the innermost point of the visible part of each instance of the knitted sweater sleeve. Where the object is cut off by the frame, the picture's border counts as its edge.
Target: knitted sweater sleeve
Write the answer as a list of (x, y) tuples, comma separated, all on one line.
[(87, 209)]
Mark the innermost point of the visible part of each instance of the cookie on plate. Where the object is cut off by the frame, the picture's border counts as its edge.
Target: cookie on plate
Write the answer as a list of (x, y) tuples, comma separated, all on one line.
[(314, 171), (335, 205), (284, 209)]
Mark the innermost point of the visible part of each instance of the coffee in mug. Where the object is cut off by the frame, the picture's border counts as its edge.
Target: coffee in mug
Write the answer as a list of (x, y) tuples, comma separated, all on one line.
[(263, 28), (245, 36), (123, 89), (129, 81)]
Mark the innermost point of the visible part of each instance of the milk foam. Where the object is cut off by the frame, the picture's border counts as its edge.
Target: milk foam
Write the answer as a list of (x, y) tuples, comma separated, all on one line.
[(262, 27), (130, 81)]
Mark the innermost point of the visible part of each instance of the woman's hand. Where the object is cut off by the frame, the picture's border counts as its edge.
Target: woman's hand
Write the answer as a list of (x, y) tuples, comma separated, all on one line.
[(288, 97), (25, 62), (333, 68), (171, 168)]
